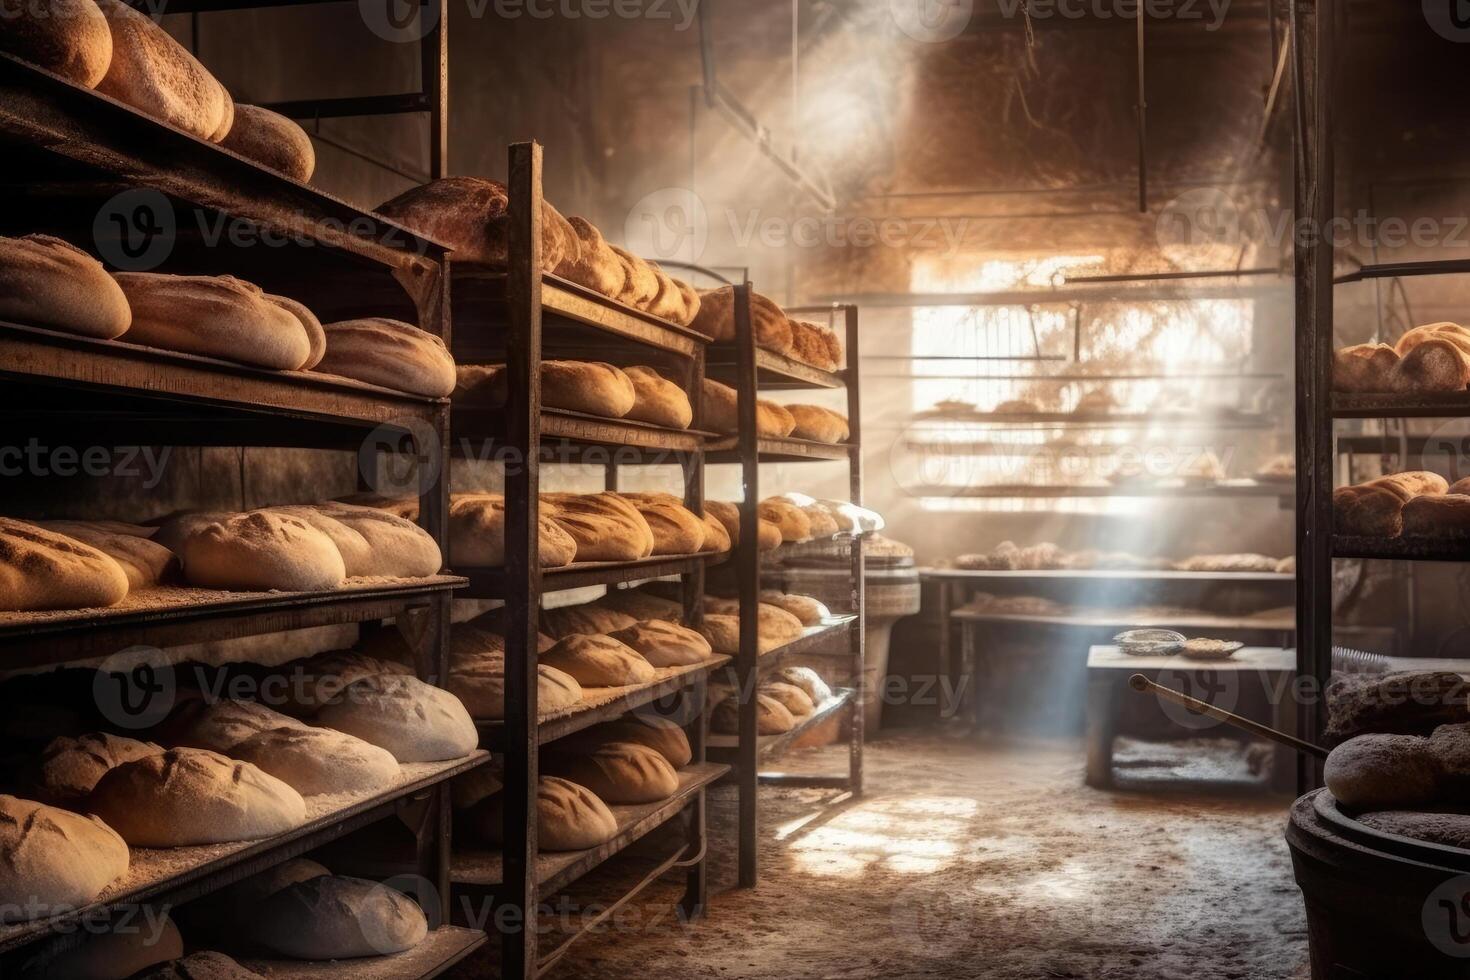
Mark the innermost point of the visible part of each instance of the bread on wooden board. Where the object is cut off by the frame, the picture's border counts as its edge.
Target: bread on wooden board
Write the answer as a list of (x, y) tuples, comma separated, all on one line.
[(772, 717), (606, 526), (1363, 368), (775, 626), (213, 316), (598, 661), (1375, 508), (156, 75), (261, 551), (589, 387), (676, 529), (186, 796), (665, 644), (319, 760), (586, 617), (716, 319), (719, 413), (1383, 772), (415, 721), (796, 700), (205, 965), (660, 734), (808, 680), (357, 554), (388, 353), (70, 767), (568, 817), (657, 400), (722, 630), (595, 266), (130, 947), (54, 861), (480, 685), (68, 37), (47, 282), (272, 140), (791, 519), (471, 215), (397, 547), (620, 773), (236, 903), (477, 533), (334, 917), (818, 424), (316, 335), (814, 344), (41, 569), (810, 611), (145, 562)]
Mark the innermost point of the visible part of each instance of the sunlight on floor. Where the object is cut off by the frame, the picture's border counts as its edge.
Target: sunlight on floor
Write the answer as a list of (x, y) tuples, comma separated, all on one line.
[(918, 835)]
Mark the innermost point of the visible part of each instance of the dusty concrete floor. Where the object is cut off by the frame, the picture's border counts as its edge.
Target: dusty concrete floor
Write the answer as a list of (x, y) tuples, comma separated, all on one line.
[(971, 861)]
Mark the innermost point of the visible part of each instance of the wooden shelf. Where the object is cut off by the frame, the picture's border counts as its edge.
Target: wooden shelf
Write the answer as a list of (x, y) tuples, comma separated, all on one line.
[(171, 876), (603, 704), (1444, 404), (725, 449), (723, 748), (173, 616), (1201, 420), (473, 425), (1401, 549), (1099, 574), (1238, 488), (555, 870), (773, 372), (811, 637), (442, 949), (1120, 620), (489, 583)]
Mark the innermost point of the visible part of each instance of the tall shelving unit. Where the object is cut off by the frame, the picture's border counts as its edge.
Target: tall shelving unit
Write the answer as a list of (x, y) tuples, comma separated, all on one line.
[(751, 370), (513, 316), (72, 390)]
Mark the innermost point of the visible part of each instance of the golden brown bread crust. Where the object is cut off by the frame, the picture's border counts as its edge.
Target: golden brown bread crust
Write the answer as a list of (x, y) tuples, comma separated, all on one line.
[(471, 215), (477, 533), (1435, 364), (768, 535), (1363, 367), (43, 569), (145, 562), (261, 551), (569, 817), (480, 686), (772, 717), (1375, 509), (620, 773), (605, 526), (68, 37), (316, 337), (792, 521), (1437, 516), (272, 140), (719, 413), (588, 617), (641, 282), (1453, 332), (665, 644), (595, 265), (716, 319), (214, 316), (652, 731), (598, 661), (390, 353), (591, 387), (716, 538), (668, 302), (657, 400), (47, 282), (55, 861), (813, 343), (796, 701), (153, 73), (818, 424), (676, 529)]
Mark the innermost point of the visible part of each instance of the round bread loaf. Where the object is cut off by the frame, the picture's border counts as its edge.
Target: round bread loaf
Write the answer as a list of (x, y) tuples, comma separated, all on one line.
[(477, 533), (214, 316), (716, 319), (792, 697), (587, 386), (397, 547), (207, 965), (1450, 746), (1434, 364), (1452, 332), (806, 609), (568, 817), (319, 760), (1437, 516), (221, 725), (480, 685), (640, 605), (595, 266), (808, 680), (1363, 367), (665, 644), (70, 767), (691, 302), (676, 529), (271, 139), (598, 661), (771, 716), (814, 344), (817, 423), (659, 734), (330, 917), (154, 74), (722, 630), (720, 413), (668, 302), (587, 617), (40, 569), (791, 519), (192, 796), (68, 37), (640, 284), (716, 538), (388, 353), (261, 551), (470, 215), (53, 861), (46, 282), (606, 526), (316, 336), (1383, 772), (620, 773), (824, 525), (777, 627), (318, 680), (109, 953), (145, 562), (176, 527), (658, 400), (351, 545), (416, 722)]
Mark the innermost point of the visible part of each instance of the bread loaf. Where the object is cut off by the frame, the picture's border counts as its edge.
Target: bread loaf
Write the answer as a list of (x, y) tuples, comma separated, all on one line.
[(719, 413), (676, 530), (316, 336), (1382, 772), (214, 316), (568, 817), (261, 551), (479, 684), (620, 773), (404, 507), (640, 605), (143, 561), (818, 424), (317, 680), (722, 630), (1450, 747), (716, 538), (651, 731), (587, 617), (851, 518), (68, 37), (389, 353), (590, 387), (792, 697), (808, 680), (793, 522), (1434, 364), (1452, 332), (824, 525), (46, 282), (605, 526), (1363, 368), (271, 139), (1375, 508), (414, 721), (640, 284), (124, 950), (397, 547), (777, 627), (808, 610), (53, 861), (657, 400), (239, 902), (595, 266), (357, 554), (716, 319), (471, 215), (319, 760), (598, 661), (330, 917), (665, 644), (1438, 516), (768, 535), (154, 74), (70, 767), (772, 717), (668, 302), (220, 725), (477, 533), (814, 344), (40, 569), (193, 796)]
